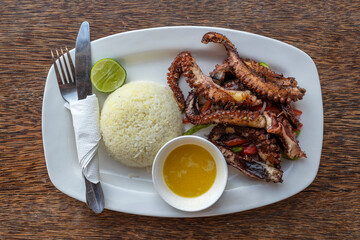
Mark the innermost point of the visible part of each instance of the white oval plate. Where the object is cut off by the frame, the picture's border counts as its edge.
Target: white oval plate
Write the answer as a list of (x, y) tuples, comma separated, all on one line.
[(146, 55)]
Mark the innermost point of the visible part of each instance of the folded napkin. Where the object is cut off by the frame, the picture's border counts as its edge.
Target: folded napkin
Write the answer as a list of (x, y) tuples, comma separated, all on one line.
[(85, 115)]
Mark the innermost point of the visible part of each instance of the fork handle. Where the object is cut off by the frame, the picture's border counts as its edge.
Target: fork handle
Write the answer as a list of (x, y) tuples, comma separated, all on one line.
[(94, 196)]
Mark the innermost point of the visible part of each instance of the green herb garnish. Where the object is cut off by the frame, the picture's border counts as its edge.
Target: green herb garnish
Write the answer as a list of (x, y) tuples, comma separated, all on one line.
[(287, 157), (237, 149), (196, 128), (264, 64)]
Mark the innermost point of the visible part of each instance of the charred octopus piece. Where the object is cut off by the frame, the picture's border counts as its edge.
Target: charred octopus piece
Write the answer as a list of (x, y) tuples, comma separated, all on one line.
[(283, 130), (272, 122), (185, 63), (273, 90), (290, 115), (237, 117), (224, 70), (265, 164), (269, 75)]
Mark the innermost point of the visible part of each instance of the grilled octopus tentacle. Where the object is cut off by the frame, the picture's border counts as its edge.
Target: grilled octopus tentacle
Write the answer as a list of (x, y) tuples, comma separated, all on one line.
[(254, 81), (204, 84), (270, 75), (224, 74), (220, 71), (282, 129), (173, 76), (289, 114), (278, 125), (238, 117), (224, 69), (263, 168)]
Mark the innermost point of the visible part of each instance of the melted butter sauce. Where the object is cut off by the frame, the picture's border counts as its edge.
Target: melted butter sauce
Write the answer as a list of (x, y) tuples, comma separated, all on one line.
[(189, 170)]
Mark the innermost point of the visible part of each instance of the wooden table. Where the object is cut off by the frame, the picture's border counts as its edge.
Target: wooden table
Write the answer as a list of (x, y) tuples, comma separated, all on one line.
[(31, 207)]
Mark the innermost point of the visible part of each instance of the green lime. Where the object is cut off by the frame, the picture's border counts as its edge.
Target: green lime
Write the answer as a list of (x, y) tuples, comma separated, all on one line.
[(107, 75)]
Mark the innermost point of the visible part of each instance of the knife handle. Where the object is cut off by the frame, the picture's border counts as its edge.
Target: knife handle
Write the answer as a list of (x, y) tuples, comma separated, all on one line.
[(94, 194)]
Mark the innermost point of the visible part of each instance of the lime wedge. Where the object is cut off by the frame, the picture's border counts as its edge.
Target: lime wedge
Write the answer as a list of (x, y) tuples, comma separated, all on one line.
[(107, 75)]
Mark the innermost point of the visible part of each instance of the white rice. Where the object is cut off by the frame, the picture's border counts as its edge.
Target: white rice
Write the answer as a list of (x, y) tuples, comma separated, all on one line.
[(137, 120)]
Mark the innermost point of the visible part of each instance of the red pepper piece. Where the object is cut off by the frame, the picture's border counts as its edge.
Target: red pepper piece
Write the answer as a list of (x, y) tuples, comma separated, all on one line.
[(298, 129), (250, 150), (297, 112), (235, 141)]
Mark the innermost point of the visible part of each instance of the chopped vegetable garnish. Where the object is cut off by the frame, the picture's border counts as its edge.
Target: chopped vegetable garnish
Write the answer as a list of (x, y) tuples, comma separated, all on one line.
[(264, 64), (250, 150), (287, 157), (196, 128), (237, 149), (297, 112), (185, 120), (235, 141), (297, 132)]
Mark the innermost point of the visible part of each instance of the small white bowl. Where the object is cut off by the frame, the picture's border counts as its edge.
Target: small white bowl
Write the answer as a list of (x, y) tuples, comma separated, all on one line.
[(184, 203)]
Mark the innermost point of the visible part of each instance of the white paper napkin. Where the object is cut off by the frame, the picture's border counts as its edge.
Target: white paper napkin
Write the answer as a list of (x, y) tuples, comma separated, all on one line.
[(85, 115)]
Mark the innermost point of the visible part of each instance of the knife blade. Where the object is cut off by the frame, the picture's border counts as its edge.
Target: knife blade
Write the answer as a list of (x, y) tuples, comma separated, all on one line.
[(94, 193), (83, 61)]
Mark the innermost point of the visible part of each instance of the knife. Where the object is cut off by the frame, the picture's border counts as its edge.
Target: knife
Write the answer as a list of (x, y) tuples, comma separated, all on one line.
[(94, 192)]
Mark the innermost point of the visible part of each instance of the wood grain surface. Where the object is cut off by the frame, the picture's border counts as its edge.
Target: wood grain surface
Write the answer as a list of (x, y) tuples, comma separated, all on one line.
[(32, 208)]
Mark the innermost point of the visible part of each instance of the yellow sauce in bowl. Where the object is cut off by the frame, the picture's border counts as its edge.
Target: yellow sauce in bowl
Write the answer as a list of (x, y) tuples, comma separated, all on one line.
[(189, 170)]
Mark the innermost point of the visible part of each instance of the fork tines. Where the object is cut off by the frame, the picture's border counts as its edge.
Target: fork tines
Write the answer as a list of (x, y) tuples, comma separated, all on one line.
[(68, 77)]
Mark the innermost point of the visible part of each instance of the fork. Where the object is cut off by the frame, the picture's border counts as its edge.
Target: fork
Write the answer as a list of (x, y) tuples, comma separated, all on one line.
[(66, 82), (67, 86)]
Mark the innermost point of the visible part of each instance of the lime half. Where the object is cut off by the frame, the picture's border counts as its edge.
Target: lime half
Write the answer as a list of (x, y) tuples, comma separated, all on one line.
[(107, 75)]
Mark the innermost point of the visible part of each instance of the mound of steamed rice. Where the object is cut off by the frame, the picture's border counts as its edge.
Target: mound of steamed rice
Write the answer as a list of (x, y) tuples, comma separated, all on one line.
[(137, 120)]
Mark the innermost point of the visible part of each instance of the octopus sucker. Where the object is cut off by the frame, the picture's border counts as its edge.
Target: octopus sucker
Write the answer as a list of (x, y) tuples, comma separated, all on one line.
[(265, 165), (234, 84), (271, 89)]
